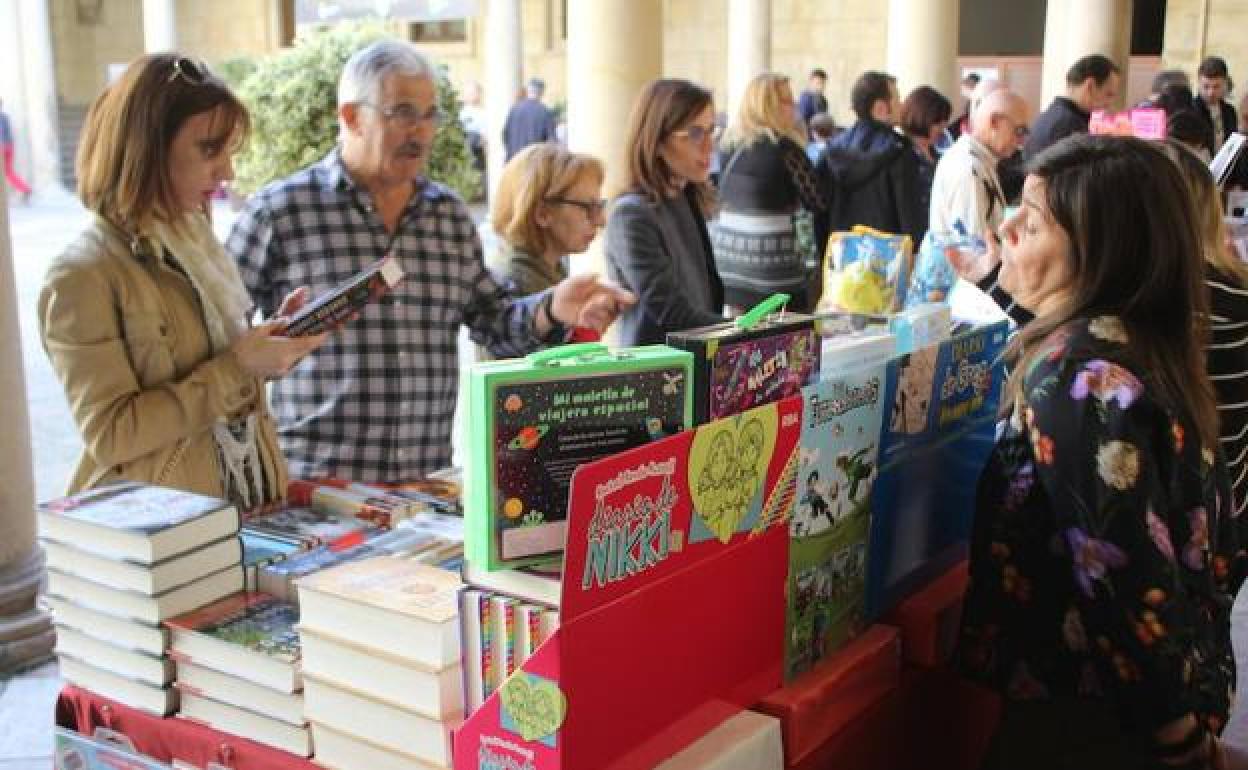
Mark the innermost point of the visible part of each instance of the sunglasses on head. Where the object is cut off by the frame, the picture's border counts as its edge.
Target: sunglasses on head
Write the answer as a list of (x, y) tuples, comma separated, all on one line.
[(189, 70)]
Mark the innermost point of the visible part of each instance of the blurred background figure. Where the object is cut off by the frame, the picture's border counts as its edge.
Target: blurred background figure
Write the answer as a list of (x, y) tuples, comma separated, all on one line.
[(528, 121), (924, 117), (6, 147)]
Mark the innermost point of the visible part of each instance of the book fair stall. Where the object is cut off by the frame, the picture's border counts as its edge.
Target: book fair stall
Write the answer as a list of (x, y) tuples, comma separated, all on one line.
[(742, 549)]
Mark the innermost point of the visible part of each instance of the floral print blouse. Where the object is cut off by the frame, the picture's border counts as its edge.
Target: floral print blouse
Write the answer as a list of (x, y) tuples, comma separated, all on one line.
[(1104, 558)]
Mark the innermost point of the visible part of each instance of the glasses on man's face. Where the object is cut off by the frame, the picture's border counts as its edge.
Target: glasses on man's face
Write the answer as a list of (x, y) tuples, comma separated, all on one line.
[(188, 70), (696, 134), (409, 115), (591, 208)]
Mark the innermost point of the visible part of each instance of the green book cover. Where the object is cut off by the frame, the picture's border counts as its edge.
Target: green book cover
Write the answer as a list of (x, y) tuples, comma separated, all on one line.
[(257, 622), (533, 421)]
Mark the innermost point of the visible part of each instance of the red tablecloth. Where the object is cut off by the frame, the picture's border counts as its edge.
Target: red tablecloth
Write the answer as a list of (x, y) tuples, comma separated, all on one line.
[(170, 738)]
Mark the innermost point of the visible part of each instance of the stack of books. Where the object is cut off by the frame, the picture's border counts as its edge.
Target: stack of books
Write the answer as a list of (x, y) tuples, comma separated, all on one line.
[(505, 615), (238, 670), (381, 663), (121, 560)]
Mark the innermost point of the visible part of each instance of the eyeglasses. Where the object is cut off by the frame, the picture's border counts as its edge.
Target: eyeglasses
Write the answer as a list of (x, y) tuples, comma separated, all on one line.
[(188, 70), (1022, 132), (409, 115), (696, 134), (591, 208)]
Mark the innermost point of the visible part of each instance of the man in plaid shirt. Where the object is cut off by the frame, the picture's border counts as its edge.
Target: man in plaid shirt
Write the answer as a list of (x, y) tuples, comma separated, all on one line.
[(375, 402)]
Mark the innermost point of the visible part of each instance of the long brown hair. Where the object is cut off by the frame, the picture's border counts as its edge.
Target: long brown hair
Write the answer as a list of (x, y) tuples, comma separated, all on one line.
[(123, 154), (663, 106), (1208, 202), (1135, 249)]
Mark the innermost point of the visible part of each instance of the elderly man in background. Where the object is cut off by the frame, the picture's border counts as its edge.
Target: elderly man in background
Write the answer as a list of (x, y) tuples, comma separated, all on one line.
[(528, 121), (375, 403), (966, 189)]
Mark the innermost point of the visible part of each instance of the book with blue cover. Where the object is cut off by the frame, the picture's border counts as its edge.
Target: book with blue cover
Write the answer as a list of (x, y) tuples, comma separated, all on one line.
[(136, 522)]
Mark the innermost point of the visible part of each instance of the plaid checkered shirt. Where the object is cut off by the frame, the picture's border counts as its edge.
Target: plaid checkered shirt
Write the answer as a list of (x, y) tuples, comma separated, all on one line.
[(376, 401)]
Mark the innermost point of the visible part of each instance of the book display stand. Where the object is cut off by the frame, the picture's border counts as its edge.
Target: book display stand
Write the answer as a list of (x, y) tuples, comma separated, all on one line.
[(676, 610)]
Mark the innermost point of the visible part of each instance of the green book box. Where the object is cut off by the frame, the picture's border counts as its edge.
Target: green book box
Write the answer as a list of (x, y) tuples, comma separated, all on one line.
[(532, 421)]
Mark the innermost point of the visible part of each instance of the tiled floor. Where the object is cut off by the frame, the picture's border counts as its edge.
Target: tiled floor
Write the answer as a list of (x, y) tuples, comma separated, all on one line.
[(26, 719)]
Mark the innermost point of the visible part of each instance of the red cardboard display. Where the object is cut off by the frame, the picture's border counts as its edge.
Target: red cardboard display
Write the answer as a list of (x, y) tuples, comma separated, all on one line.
[(929, 619), (671, 620), (820, 703)]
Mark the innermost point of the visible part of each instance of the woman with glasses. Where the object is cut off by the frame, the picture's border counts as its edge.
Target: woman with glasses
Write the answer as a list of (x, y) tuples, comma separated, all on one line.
[(548, 205), (145, 318), (658, 246), (767, 178)]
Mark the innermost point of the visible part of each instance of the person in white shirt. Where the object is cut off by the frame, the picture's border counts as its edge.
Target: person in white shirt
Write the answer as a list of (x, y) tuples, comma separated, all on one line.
[(966, 190)]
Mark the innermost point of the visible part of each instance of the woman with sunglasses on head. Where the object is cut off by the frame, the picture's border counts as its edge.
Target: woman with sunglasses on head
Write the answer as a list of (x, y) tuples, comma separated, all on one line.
[(145, 318), (658, 246), (1105, 554), (766, 179)]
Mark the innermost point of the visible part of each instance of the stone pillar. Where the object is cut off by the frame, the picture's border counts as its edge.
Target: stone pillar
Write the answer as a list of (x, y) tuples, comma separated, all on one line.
[(749, 47), (160, 26), (504, 69), (1074, 30), (41, 95), (614, 48), (28, 638), (12, 84), (923, 45)]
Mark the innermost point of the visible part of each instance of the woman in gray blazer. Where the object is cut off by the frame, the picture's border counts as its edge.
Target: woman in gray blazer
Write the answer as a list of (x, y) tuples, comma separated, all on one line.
[(658, 246)]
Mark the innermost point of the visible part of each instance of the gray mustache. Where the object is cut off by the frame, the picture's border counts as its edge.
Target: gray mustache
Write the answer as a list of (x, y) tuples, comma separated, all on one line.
[(416, 149)]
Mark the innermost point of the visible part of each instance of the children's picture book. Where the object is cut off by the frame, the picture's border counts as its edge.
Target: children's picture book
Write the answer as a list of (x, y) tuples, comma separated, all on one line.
[(248, 635), (841, 423), (749, 362), (534, 421), (940, 416), (136, 522), (335, 306)]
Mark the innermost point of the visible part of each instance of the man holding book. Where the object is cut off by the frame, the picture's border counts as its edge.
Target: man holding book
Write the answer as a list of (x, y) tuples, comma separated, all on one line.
[(375, 403)]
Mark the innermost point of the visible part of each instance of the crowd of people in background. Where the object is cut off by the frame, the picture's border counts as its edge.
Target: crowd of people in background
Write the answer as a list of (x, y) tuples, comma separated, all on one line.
[(1106, 549)]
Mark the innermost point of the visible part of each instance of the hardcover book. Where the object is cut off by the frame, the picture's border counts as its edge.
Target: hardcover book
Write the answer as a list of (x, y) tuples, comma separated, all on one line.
[(151, 579), (247, 635), (533, 421), (136, 522), (380, 600), (755, 360), (335, 306)]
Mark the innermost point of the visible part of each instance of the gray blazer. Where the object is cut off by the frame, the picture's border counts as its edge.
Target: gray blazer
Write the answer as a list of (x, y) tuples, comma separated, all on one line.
[(660, 252)]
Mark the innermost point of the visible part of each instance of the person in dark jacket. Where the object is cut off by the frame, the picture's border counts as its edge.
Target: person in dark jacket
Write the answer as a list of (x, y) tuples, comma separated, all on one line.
[(1213, 84), (1092, 83), (812, 102), (657, 241), (767, 178), (870, 170), (529, 121), (924, 116)]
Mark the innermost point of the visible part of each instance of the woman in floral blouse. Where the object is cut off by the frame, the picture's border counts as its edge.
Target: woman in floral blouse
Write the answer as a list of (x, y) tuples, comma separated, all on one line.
[(1104, 558)]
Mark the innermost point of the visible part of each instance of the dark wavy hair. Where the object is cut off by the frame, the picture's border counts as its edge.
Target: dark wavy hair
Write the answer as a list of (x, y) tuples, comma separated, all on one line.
[(1136, 251)]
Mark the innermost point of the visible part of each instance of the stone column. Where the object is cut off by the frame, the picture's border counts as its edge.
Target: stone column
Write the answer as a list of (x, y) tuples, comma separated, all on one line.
[(615, 47), (41, 95), (749, 47), (160, 26), (504, 69), (1072, 31), (923, 45), (29, 637)]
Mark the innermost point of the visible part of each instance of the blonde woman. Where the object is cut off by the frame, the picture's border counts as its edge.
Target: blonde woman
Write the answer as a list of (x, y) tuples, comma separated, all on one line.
[(145, 318), (767, 177), (549, 204), (1227, 349)]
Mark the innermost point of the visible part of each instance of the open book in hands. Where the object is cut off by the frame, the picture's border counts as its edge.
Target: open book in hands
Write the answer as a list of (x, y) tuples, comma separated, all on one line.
[(329, 310)]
